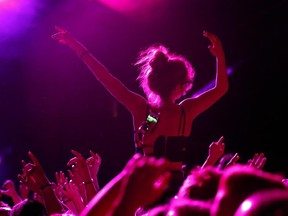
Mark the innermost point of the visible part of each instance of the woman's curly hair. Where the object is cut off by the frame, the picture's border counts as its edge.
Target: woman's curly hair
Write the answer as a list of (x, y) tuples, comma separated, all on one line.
[(161, 72)]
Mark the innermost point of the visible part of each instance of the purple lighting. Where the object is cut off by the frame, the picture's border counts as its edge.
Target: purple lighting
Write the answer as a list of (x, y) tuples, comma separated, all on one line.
[(15, 17), (230, 71)]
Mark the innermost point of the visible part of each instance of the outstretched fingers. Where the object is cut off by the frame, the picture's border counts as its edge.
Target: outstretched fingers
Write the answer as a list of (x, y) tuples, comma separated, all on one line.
[(60, 29), (33, 158), (212, 37)]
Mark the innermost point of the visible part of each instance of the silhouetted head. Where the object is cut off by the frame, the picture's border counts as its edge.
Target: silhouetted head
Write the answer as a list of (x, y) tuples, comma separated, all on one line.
[(4, 209), (237, 183), (184, 207), (201, 184), (164, 75), (159, 210), (265, 203), (29, 207)]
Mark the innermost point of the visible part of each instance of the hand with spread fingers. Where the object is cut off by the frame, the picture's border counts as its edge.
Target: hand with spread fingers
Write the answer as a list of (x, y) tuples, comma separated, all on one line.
[(93, 162), (10, 190), (72, 196), (61, 180), (76, 178), (81, 166), (75, 175), (258, 161)]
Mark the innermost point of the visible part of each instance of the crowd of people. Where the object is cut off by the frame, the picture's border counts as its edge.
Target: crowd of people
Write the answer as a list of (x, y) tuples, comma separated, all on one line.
[(155, 181), (218, 187)]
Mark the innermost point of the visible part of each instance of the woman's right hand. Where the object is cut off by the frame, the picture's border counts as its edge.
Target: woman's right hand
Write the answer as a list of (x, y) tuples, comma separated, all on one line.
[(63, 36)]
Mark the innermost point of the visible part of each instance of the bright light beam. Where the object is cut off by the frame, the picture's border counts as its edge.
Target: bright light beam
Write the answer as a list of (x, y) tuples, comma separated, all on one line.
[(211, 84), (15, 17), (140, 10)]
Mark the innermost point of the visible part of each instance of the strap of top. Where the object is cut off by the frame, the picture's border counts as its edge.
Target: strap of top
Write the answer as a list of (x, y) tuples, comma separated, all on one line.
[(138, 136), (182, 118), (147, 110)]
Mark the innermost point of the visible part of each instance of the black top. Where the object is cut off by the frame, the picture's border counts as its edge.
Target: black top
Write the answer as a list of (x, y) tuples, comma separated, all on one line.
[(172, 148)]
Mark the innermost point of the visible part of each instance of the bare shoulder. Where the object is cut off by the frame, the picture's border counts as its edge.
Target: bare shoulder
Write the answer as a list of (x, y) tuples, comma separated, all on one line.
[(192, 107), (188, 102)]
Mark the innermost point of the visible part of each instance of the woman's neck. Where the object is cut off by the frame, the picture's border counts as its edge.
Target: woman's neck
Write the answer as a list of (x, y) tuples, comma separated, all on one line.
[(167, 103)]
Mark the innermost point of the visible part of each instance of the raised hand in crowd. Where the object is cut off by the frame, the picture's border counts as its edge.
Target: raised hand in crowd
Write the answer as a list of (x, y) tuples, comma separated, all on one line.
[(72, 198), (76, 178), (34, 177), (258, 161), (81, 166), (10, 190), (230, 160), (93, 163), (68, 193), (61, 180), (23, 191), (216, 151), (38, 197)]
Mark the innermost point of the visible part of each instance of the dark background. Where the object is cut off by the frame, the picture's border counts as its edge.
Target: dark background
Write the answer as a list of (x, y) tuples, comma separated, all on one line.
[(50, 102)]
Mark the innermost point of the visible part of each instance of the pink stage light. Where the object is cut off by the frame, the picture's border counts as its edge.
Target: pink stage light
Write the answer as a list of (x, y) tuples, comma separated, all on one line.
[(121, 5), (141, 10), (10, 6)]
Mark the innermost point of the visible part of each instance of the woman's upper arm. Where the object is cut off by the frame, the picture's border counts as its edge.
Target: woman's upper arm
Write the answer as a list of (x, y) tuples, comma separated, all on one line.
[(132, 101), (200, 103)]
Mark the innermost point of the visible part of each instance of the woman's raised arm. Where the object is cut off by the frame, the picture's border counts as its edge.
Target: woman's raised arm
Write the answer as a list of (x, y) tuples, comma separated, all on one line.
[(115, 87)]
